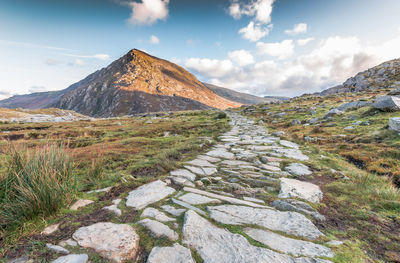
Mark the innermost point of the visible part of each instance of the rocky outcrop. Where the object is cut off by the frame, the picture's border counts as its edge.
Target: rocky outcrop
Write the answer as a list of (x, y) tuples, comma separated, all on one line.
[(387, 103)]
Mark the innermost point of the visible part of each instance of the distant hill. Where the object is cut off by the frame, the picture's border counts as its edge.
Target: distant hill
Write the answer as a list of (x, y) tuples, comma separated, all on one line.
[(384, 75), (135, 83), (239, 97)]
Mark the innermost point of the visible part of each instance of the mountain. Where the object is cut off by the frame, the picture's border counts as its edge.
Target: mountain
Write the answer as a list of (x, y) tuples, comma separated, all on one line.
[(384, 75), (135, 83), (239, 97)]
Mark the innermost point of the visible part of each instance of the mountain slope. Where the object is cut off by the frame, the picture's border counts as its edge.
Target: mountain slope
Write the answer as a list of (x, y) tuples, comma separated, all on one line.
[(138, 82), (239, 97), (384, 75), (135, 83)]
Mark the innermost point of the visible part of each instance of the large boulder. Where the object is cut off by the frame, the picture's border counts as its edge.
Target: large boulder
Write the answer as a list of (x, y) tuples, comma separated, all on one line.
[(387, 103), (394, 124), (354, 105)]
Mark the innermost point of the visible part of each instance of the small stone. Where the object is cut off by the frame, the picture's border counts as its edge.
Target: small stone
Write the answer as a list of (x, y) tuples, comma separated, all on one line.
[(148, 194), (188, 206), (172, 210), (20, 260), (174, 254), (50, 230), (251, 199), (157, 215), (394, 124), (57, 249), (114, 207), (159, 229), (184, 174), (220, 153), (201, 163), (298, 169), (68, 242), (196, 199), (289, 144), (81, 203), (295, 188), (73, 258)]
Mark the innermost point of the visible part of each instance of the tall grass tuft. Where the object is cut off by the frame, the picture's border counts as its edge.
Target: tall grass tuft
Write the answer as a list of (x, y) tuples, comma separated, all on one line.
[(37, 183)]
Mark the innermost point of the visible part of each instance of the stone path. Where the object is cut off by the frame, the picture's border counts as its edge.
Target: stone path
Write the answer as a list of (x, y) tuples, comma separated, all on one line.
[(221, 190)]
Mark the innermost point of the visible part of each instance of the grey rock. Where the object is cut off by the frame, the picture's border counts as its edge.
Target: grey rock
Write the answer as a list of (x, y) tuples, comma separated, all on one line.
[(196, 199), (297, 206), (81, 203), (354, 105), (289, 222), (334, 243), (278, 133), (387, 103), (217, 245), (20, 260), (295, 122), (220, 153), (287, 245), (304, 190), (50, 230), (313, 120), (188, 206), (172, 210), (117, 242), (394, 124), (332, 113), (57, 249), (73, 258), (114, 207), (292, 153), (174, 254), (158, 229), (298, 169), (201, 163), (157, 215), (68, 242), (289, 144), (184, 174), (148, 194)]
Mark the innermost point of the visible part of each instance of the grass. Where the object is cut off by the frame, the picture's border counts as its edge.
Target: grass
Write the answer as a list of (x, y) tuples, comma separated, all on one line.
[(37, 182), (362, 199), (123, 153)]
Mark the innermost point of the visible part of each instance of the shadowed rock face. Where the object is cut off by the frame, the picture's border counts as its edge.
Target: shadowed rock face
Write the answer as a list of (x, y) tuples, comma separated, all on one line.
[(135, 83), (138, 82)]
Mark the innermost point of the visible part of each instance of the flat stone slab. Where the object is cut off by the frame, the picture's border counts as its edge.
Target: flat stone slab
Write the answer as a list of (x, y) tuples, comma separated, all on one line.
[(304, 190), (57, 249), (73, 258), (158, 229), (209, 158), (292, 153), (255, 200), (81, 203), (174, 254), (220, 153), (172, 210), (148, 194), (116, 242), (50, 230), (234, 163), (218, 245), (297, 206), (184, 174), (201, 163), (157, 215), (289, 144), (195, 170), (188, 206), (287, 245), (196, 199), (114, 207), (289, 222), (298, 169), (221, 197)]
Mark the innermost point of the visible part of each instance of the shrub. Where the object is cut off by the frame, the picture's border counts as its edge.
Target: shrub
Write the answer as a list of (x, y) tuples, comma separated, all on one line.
[(221, 115), (37, 183)]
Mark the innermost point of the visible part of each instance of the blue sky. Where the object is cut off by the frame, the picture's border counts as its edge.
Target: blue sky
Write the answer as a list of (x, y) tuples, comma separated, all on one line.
[(264, 47)]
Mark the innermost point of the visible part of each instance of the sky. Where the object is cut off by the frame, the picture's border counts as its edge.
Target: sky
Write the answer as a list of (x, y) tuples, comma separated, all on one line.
[(262, 47)]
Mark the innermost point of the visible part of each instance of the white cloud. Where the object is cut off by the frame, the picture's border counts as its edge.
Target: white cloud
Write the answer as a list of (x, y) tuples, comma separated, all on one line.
[(147, 12), (304, 41), (297, 29), (241, 57), (282, 50), (32, 45), (254, 32), (79, 62), (96, 56), (154, 40), (34, 89), (259, 9), (213, 68)]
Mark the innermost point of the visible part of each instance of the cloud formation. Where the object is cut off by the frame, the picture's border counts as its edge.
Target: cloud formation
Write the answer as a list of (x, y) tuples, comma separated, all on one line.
[(281, 50), (297, 29), (147, 12), (331, 62), (241, 57), (95, 56), (154, 40), (260, 12), (304, 41)]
